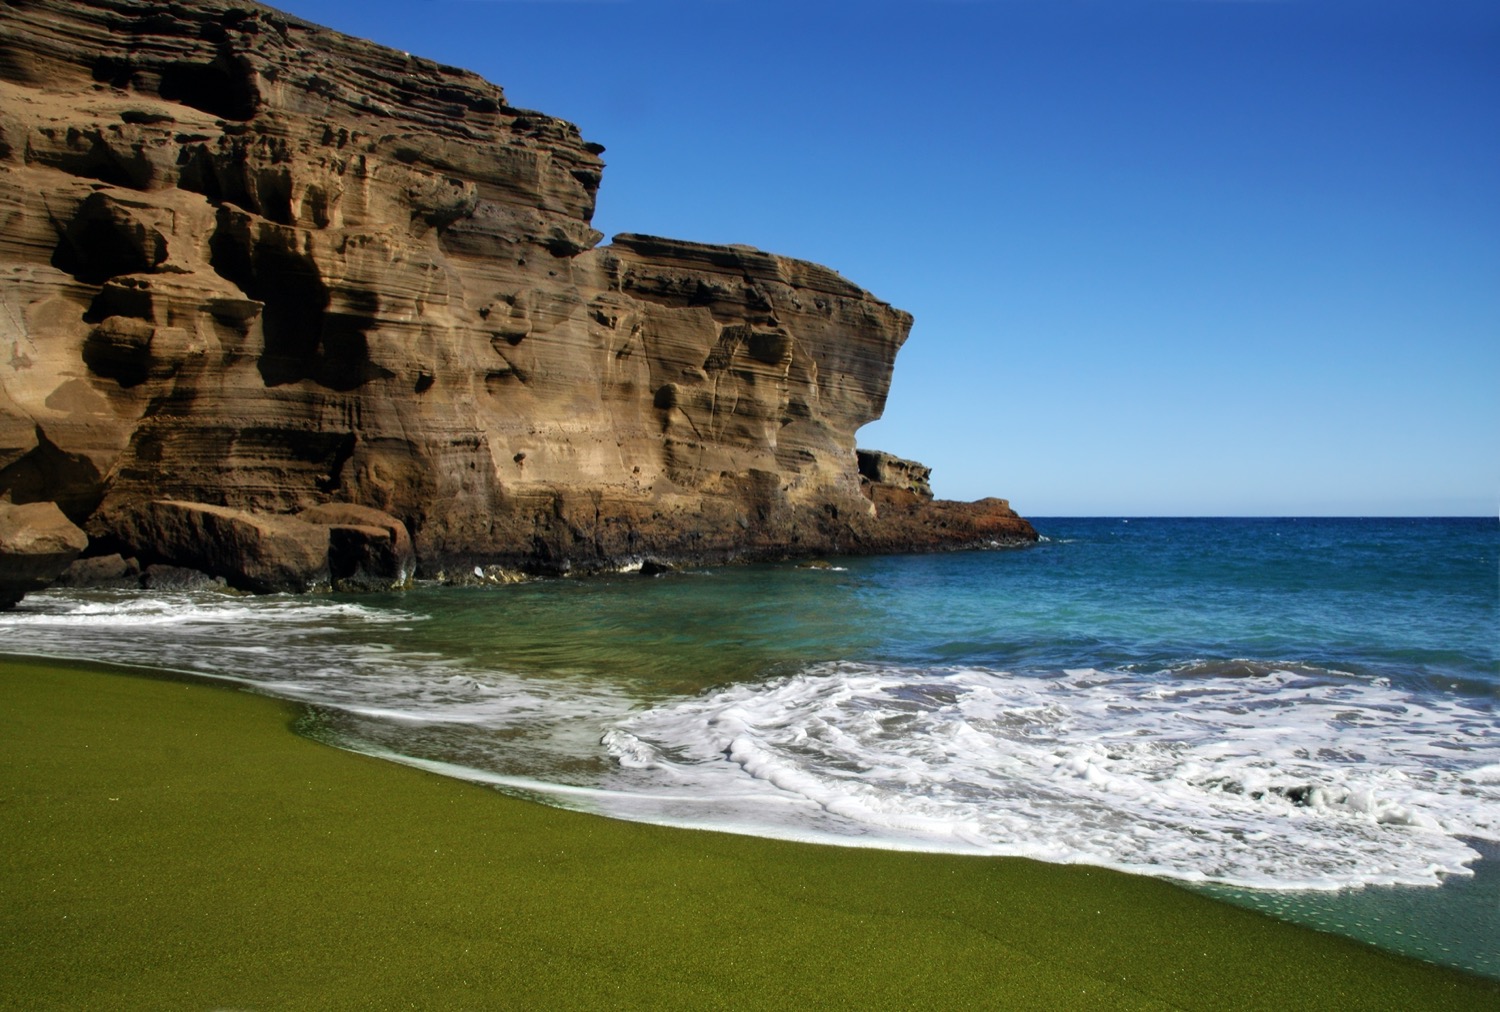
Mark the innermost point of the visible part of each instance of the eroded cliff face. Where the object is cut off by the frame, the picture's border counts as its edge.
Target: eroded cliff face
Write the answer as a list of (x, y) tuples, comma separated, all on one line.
[(254, 263)]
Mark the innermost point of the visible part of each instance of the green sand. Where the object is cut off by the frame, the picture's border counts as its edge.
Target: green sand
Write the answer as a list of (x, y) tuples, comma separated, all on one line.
[(173, 845)]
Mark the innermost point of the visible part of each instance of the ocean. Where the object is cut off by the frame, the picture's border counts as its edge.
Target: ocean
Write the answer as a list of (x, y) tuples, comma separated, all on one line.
[(1297, 715)]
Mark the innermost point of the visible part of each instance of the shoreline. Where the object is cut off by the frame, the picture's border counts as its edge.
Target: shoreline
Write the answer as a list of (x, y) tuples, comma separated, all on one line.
[(174, 843)]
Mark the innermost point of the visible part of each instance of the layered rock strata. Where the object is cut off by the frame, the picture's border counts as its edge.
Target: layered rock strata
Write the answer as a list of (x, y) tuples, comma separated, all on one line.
[(257, 265), (876, 467)]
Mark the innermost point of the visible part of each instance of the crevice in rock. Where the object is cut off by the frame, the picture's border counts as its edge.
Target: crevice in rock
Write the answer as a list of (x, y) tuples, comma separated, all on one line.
[(125, 298), (197, 172), (47, 473), (296, 302), (115, 71), (495, 380), (770, 347), (343, 451), (226, 178), (302, 338), (730, 340), (344, 363), (145, 117)]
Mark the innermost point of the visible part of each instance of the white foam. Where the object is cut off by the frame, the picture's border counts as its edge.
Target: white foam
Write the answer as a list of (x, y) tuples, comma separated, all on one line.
[(124, 609), (1278, 780)]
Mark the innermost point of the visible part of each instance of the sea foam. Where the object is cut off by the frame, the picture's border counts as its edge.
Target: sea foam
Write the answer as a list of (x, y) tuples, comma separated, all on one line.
[(1293, 778)]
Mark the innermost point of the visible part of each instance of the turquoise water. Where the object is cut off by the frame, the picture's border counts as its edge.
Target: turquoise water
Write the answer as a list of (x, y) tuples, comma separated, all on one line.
[(1298, 715)]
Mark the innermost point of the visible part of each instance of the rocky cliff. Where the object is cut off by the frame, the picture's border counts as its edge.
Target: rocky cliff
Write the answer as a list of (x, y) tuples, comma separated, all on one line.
[(256, 264)]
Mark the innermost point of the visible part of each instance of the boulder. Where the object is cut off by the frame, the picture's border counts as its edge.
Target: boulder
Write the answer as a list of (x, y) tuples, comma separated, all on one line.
[(37, 542), (101, 571), (261, 553), (368, 549), (166, 579)]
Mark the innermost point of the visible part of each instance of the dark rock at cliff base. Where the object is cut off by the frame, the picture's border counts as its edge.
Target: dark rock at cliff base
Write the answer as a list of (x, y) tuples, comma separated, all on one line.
[(101, 571), (175, 579), (115, 572), (368, 550), (364, 559), (252, 262), (37, 542), (254, 552)]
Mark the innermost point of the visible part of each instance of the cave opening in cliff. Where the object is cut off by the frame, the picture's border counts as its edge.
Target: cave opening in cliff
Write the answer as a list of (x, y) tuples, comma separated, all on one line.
[(223, 88), (303, 335), (292, 322), (102, 242), (344, 362), (48, 473), (268, 268)]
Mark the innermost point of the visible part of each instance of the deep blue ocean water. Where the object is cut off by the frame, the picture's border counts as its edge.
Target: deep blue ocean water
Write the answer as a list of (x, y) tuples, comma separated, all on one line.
[(1294, 714)]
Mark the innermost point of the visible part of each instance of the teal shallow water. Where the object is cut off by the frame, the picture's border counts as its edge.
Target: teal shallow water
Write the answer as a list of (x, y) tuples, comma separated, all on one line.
[(1299, 715)]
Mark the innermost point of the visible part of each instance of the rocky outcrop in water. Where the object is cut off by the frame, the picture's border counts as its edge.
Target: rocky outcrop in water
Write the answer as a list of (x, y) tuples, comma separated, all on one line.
[(257, 265)]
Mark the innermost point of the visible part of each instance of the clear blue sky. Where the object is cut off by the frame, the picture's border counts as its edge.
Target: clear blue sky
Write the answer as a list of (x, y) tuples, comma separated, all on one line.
[(1166, 257)]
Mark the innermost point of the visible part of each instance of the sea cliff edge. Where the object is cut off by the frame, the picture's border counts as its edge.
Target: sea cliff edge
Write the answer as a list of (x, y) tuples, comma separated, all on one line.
[(256, 270)]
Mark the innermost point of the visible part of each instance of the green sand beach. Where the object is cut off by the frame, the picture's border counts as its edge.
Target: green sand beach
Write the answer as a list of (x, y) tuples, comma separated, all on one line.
[(173, 845)]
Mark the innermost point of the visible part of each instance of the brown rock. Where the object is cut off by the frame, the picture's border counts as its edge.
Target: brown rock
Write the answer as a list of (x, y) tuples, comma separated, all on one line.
[(910, 522), (367, 550), (877, 467), (254, 552), (37, 542), (254, 262)]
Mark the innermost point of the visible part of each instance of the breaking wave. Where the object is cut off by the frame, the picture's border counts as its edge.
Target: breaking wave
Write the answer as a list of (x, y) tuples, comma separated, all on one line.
[(1261, 776)]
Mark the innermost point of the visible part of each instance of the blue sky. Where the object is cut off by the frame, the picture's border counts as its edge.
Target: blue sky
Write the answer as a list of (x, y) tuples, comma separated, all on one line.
[(1170, 257)]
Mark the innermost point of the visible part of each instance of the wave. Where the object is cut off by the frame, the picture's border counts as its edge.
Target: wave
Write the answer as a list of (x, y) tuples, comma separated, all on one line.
[(1250, 773), (1262, 776), (123, 610)]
